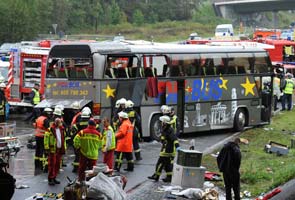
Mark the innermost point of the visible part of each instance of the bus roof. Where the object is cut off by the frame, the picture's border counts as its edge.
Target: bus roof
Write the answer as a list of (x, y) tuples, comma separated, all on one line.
[(86, 49)]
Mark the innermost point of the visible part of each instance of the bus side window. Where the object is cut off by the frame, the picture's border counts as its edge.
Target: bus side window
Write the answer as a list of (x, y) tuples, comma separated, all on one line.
[(220, 70), (134, 72), (210, 70), (241, 70), (109, 73), (174, 70), (123, 72), (150, 72), (165, 68), (231, 70)]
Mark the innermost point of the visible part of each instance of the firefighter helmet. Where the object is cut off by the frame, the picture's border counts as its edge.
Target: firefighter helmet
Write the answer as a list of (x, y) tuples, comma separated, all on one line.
[(129, 104), (75, 105), (165, 119), (117, 103), (86, 109), (123, 115), (48, 110), (85, 114), (2, 85), (165, 109), (60, 106), (57, 111)]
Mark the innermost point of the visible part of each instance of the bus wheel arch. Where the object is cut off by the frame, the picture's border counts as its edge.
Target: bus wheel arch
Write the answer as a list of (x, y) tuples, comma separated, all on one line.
[(241, 119), (155, 127)]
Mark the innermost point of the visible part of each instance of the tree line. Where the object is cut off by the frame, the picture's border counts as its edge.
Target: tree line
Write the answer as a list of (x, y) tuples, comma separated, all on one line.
[(25, 19)]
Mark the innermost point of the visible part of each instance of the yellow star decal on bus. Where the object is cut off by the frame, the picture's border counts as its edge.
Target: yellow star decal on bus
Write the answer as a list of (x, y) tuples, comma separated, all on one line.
[(223, 85), (248, 86), (109, 91)]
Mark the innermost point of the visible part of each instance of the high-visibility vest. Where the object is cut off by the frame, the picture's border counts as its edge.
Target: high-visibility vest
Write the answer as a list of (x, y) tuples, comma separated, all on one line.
[(36, 98), (104, 138), (40, 129), (289, 87)]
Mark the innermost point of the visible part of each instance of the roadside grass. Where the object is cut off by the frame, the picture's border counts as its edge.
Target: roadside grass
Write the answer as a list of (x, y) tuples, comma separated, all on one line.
[(167, 31), (261, 171)]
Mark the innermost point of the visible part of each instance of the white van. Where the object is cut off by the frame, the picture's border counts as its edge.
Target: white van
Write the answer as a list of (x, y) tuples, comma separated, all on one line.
[(224, 30)]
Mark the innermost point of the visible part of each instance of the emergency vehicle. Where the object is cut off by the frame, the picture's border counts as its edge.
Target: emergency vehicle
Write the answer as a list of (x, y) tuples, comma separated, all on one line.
[(261, 34), (21, 79)]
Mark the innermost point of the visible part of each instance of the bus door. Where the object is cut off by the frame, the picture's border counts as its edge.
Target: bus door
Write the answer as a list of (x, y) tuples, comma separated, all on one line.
[(264, 84)]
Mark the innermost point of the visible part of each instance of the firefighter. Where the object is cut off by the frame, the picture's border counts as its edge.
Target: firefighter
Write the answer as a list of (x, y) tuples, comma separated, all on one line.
[(135, 121), (88, 142), (124, 146), (42, 124), (54, 145), (169, 145), (3, 102), (35, 98), (108, 143), (81, 124), (76, 109), (120, 106), (288, 87)]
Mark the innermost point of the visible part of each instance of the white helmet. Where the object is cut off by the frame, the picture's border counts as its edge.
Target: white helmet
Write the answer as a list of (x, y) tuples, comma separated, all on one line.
[(75, 105), (122, 101), (57, 111), (85, 114), (48, 110), (129, 104), (86, 109), (2, 85), (117, 103), (165, 119), (165, 109), (123, 115), (60, 106)]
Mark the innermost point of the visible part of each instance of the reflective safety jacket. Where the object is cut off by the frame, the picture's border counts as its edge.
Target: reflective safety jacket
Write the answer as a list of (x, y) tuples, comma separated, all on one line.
[(124, 137), (42, 124), (108, 139), (50, 140), (88, 141), (169, 142), (173, 122), (133, 117), (289, 86), (36, 98)]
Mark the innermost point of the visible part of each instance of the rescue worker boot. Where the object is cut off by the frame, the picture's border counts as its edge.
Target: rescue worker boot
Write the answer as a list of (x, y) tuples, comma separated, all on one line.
[(167, 179), (75, 169), (56, 181), (137, 156), (51, 181), (130, 166), (154, 177)]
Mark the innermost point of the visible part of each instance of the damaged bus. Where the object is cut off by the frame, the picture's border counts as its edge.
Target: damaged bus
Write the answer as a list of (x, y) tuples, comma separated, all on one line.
[(210, 87)]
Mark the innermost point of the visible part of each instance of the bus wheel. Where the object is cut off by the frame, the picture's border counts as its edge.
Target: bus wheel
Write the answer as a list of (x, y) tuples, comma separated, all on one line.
[(240, 120), (155, 128)]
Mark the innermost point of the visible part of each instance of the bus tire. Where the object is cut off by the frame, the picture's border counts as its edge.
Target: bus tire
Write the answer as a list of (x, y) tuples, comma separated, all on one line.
[(155, 128), (240, 120)]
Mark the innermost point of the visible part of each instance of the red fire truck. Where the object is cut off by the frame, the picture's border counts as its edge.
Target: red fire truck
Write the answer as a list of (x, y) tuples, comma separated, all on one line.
[(31, 70)]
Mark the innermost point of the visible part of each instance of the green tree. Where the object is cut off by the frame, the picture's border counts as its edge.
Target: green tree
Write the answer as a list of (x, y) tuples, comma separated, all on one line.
[(138, 17)]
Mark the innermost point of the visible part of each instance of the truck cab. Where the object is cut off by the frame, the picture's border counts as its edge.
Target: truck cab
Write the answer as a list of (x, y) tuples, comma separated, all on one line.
[(224, 30)]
